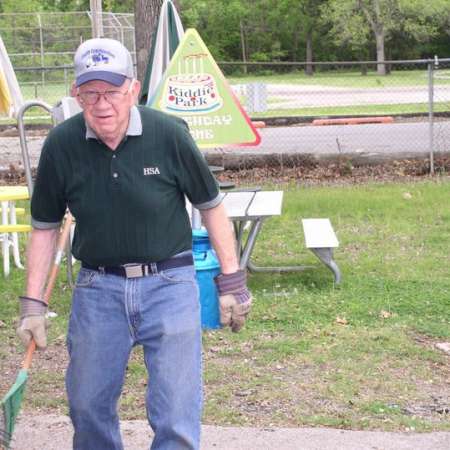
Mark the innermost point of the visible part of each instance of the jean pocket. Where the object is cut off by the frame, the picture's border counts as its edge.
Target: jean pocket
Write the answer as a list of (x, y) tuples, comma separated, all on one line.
[(184, 274), (85, 277)]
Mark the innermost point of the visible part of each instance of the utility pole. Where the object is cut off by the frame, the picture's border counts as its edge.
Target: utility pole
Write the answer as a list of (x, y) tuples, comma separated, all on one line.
[(96, 18)]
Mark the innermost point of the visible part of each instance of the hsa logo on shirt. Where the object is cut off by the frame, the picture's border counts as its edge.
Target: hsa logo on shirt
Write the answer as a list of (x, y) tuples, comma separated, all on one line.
[(151, 171)]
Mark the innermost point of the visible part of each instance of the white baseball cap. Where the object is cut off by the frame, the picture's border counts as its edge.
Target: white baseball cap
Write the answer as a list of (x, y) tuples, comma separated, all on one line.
[(102, 59)]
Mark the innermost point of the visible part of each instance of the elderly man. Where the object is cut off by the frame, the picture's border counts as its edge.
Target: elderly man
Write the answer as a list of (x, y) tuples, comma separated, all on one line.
[(124, 172)]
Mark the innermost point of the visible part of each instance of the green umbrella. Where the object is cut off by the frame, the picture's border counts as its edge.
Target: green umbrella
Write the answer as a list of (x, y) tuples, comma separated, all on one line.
[(164, 43)]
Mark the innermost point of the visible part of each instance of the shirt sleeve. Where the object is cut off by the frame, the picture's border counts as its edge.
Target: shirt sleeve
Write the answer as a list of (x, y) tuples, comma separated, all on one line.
[(48, 204), (193, 174)]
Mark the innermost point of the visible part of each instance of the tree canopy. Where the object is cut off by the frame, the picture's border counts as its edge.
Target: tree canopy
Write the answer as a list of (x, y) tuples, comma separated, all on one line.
[(297, 30), (263, 30)]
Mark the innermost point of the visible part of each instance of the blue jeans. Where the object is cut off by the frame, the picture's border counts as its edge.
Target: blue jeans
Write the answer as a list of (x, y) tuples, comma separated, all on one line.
[(111, 314)]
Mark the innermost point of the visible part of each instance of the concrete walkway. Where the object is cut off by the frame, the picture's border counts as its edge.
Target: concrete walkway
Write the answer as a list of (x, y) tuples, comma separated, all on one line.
[(51, 432)]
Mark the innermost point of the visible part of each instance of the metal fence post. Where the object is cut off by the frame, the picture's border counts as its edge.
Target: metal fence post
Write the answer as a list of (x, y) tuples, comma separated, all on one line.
[(97, 18), (41, 44), (431, 115)]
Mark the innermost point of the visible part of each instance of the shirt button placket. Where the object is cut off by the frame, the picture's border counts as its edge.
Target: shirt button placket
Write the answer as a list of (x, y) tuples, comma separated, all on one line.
[(114, 171)]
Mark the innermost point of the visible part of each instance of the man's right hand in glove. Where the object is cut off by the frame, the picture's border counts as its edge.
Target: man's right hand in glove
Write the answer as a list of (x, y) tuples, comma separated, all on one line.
[(33, 323)]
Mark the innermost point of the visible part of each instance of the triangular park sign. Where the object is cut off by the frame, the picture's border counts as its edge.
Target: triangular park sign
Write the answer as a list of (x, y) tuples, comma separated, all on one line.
[(195, 89)]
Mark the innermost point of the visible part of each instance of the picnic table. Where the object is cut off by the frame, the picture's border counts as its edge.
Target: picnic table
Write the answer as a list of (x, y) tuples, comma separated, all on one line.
[(252, 207)]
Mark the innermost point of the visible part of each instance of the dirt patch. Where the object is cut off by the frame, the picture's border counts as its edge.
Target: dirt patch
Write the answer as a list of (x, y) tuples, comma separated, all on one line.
[(303, 170), (243, 388), (337, 172), (295, 392)]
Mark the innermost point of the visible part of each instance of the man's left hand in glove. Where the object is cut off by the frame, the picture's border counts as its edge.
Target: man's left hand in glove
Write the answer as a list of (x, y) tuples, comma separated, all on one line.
[(234, 298)]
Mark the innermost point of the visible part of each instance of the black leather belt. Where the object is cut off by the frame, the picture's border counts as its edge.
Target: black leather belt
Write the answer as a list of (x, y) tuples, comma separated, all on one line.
[(142, 270)]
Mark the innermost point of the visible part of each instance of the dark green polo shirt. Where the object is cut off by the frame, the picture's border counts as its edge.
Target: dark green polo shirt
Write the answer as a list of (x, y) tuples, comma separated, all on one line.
[(129, 204)]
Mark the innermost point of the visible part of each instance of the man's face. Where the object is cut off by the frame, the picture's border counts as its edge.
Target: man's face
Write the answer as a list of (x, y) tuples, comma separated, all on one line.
[(109, 115)]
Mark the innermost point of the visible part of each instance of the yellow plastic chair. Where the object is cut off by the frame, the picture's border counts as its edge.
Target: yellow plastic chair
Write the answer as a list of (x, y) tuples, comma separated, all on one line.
[(9, 228), (19, 211), (9, 238)]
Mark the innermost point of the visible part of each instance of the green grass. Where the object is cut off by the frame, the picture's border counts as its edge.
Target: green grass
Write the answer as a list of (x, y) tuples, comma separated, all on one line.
[(403, 108), (349, 78), (394, 294), (360, 355), (50, 92)]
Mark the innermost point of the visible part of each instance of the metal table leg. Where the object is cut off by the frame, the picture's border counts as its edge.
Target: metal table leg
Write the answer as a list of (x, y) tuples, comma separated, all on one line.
[(326, 256), (248, 246)]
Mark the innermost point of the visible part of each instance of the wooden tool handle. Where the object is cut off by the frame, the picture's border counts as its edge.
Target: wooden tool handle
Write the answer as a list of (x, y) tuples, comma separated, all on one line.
[(62, 240), (63, 237)]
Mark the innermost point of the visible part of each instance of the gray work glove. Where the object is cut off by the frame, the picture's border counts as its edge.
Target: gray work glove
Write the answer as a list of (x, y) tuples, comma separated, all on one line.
[(33, 323), (234, 299)]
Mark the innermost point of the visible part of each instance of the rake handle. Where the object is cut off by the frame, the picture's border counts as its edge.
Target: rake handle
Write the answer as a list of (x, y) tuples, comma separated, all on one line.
[(64, 235)]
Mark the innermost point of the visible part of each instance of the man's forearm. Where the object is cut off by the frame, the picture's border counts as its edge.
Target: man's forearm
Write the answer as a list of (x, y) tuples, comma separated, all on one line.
[(222, 237), (40, 252)]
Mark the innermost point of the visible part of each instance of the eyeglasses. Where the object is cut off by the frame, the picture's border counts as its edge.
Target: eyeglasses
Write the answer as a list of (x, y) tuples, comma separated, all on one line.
[(112, 96)]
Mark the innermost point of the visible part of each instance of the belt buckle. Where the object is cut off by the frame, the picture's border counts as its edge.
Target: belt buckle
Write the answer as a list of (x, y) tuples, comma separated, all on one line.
[(134, 270)]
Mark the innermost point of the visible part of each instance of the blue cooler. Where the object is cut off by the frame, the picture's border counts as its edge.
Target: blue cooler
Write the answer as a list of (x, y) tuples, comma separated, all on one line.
[(207, 267)]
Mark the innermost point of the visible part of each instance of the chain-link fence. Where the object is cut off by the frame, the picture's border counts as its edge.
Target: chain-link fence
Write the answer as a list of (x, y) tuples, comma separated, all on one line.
[(41, 46), (405, 113), (341, 109)]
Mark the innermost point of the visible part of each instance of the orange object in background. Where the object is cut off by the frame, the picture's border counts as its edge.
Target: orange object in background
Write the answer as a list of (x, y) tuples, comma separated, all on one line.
[(259, 124), (353, 120)]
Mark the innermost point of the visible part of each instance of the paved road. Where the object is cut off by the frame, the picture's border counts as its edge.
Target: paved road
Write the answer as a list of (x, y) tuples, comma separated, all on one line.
[(10, 152), (285, 96), (295, 96), (53, 432), (380, 141), (384, 139)]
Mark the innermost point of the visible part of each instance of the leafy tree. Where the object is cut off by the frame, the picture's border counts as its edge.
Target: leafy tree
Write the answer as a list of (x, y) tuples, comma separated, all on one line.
[(301, 23), (219, 23), (118, 6), (357, 22), (20, 6), (251, 30)]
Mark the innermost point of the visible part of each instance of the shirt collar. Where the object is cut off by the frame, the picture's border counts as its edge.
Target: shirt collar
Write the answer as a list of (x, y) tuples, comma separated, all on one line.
[(134, 125)]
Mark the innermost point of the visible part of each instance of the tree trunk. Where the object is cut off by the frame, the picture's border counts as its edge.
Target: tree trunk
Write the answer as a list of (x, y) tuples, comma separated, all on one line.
[(295, 40), (244, 49), (309, 69), (375, 21), (379, 37), (146, 13)]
